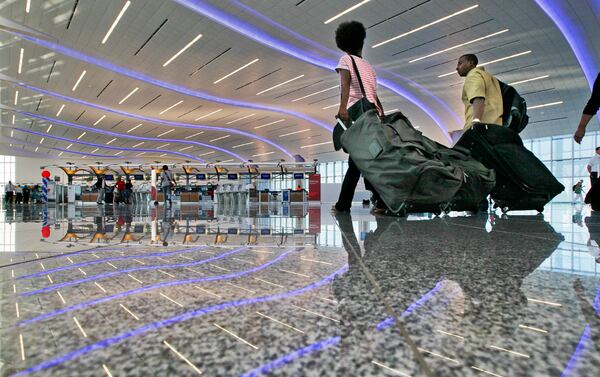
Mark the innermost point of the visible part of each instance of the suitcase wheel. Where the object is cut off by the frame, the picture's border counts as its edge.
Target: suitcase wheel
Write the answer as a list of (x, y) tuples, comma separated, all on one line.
[(505, 209), (540, 209)]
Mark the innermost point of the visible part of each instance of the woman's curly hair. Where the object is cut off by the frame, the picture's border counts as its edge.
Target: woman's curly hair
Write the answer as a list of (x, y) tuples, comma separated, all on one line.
[(350, 36)]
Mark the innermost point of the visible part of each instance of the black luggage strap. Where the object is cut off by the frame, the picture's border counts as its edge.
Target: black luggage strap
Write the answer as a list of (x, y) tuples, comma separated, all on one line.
[(362, 88)]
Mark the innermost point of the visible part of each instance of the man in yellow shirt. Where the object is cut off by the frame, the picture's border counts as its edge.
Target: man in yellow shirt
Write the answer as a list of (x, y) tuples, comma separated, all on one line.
[(481, 94)]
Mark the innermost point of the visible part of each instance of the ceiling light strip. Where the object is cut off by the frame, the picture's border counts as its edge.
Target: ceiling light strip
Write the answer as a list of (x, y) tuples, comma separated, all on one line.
[(128, 95), (294, 133), (186, 148), (242, 145), (270, 123), (278, 85), (49, 128), (459, 45), (166, 132), (99, 120), (544, 105), (316, 145), (262, 154), (163, 146), (60, 110), (491, 62), (78, 80), (82, 135), (110, 141), (209, 114), (114, 24), (242, 118), (207, 153), (170, 107), (220, 138), (425, 26), (236, 71), (194, 135), (182, 50), (16, 97), (529, 80), (330, 106), (315, 93), (134, 128), (27, 6), (137, 145), (20, 66), (346, 11)]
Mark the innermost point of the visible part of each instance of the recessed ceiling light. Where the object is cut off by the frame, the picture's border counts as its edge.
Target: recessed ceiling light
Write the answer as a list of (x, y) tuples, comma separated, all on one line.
[(128, 95), (268, 124), (112, 27), (118, 153), (60, 154), (209, 114), (491, 62), (425, 26), (162, 155), (330, 106), (95, 150), (138, 144), (20, 67), (242, 145), (182, 50), (295, 132), (134, 127), (236, 71), (170, 107), (166, 132), (13, 119), (315, 93), (60, 110), (220, 138), (27, 6), (36, 149), (78, 80), (207, 153), (42, 140), (544, 105), (346, 11), (316, 145), (186, 148), (16, 97), (84, 157), (278, 85), (242, 118), (49, 128), (528, 80), (196, 134), (139, 154), (80, 136), (99, 120), (262, 154), (69, 146), (459, 45), (110, 141), (162, 146)]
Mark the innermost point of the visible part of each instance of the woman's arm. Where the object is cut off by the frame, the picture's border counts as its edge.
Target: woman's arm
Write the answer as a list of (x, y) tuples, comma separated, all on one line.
[(345, 94)]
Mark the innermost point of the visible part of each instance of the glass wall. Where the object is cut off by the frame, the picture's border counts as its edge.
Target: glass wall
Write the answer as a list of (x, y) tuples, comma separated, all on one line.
[(7, 169)]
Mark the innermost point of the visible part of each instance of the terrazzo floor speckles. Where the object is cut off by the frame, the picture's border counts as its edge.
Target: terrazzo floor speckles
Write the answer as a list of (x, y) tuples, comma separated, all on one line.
[(287, 292)]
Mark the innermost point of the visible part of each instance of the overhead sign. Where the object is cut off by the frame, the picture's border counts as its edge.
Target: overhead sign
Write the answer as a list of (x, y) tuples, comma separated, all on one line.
[(265, 175), (232, 176), (298, 175), (201, 177)]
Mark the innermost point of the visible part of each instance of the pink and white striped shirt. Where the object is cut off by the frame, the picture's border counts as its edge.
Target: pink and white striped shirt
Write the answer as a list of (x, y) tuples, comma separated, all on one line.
[(368, 76)]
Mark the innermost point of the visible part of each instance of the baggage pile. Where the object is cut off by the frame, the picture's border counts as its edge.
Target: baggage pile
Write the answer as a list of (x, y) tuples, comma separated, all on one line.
[(412, 173)]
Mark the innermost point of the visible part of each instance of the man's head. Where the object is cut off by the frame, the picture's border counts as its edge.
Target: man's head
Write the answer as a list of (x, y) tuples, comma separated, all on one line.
[(350, 37), (465, 64), (165, 167), (597, 150)]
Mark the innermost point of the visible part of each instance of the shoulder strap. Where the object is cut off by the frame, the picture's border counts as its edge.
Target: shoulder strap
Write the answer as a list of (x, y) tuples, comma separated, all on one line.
[(362, 88)]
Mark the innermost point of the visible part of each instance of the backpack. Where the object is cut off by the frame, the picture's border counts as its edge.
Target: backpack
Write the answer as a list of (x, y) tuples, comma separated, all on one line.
[(514, 112)]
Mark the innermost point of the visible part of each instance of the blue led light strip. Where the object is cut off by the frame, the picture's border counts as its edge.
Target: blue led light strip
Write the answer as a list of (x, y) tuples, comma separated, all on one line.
[(128, 136), (24, 143), (134, 269), (156, 120), (48, 136), (258, 35), (110, 259), (89, 303), (154, 81), (175, 320)]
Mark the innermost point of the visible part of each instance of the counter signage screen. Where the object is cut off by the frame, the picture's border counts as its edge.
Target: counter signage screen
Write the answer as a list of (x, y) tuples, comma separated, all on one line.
[(138, 177), (109, 177), (232, 176), (265, 175), (298, 175), (201, 177)]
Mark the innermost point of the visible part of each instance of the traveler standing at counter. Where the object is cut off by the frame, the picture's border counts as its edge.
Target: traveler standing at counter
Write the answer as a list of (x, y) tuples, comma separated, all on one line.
[(8, 192), (167, 181), (101, 186)]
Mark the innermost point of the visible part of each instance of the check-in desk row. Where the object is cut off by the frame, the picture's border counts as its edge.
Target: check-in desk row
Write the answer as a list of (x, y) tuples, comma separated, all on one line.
[(234, 194)]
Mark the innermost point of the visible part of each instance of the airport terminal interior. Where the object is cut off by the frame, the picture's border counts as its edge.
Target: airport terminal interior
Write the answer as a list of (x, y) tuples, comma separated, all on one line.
[(169, 184)]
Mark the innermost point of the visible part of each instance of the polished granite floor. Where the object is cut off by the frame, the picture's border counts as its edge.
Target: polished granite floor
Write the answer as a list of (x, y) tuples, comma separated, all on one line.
[(297, 291)]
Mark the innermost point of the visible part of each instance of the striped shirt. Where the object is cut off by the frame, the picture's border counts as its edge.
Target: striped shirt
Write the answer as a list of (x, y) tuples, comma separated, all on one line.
[(368, 76)]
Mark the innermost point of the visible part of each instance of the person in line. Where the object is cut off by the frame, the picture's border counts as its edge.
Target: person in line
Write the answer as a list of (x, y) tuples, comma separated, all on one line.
[(18, 194), (593, 167), (128, 190), (350, 37), (101, 186), (120, 191), (589, 111), (26, 194), (9, 190), (166, 181), (481, 95)]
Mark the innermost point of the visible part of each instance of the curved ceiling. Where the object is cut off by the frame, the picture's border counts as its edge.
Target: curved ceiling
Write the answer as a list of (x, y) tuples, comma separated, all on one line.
[(253, 80)]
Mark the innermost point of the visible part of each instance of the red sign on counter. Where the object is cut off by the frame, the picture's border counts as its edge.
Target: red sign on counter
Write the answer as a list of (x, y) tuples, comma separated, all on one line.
[(314, 187)]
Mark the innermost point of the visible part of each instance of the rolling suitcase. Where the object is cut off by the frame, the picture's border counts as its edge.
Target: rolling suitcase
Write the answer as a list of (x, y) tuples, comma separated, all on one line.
[(523, 182), (412, 173)]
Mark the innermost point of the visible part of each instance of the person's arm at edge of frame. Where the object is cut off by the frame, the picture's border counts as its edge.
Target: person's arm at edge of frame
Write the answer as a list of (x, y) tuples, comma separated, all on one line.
[(589, 111)]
